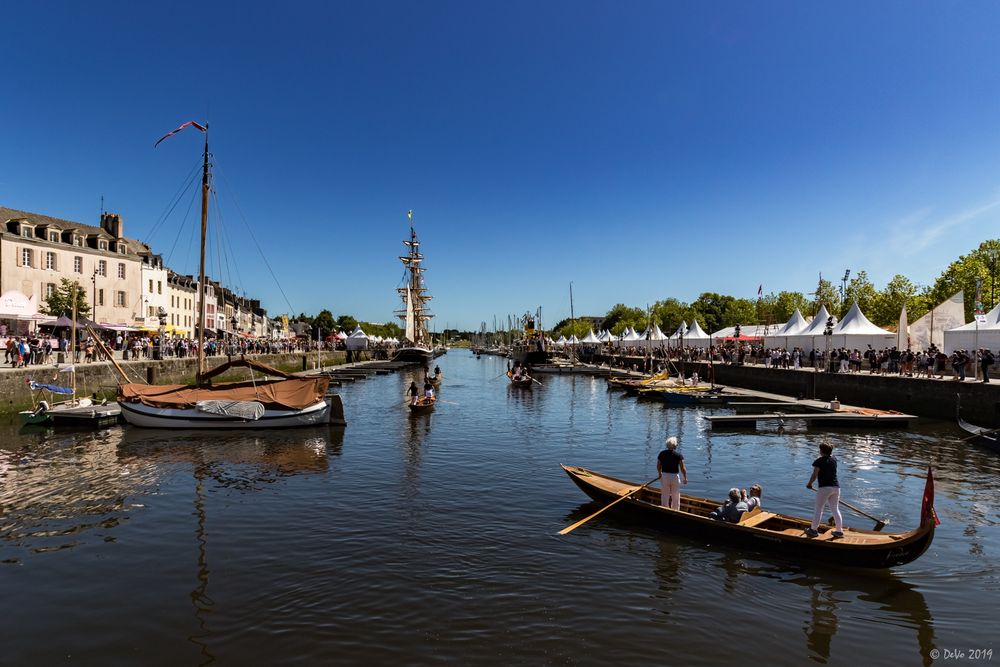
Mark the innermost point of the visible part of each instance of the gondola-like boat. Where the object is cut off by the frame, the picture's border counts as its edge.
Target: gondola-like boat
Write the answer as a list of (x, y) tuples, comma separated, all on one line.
[(981, 436), (522, 381), (761, 530), (423, 405)]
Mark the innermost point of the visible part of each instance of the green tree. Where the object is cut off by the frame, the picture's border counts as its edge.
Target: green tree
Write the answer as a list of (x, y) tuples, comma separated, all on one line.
[(898, 292), (669, 313), (346, 323), (861, 290), (60, 302), (778, 308), (712, 309), (825, 294), (325, 322), (621, 316), (578, 328), (740, 311), (982, 263)]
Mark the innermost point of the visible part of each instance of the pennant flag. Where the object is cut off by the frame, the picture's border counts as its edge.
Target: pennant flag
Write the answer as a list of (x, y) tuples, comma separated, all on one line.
[(927, 507), (203, 128)]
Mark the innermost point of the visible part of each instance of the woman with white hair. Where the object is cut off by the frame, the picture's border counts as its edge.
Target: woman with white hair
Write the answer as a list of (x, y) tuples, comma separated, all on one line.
[(670, 465)]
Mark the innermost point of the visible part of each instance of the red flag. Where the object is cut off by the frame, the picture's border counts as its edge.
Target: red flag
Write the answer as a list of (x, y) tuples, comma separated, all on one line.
[(927, 507), (170, 134)]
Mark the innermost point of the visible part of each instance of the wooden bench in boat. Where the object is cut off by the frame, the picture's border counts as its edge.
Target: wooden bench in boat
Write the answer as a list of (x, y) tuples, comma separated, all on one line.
[(755, 517)]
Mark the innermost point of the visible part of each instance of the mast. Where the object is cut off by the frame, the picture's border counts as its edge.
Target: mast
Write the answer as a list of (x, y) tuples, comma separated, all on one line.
[(572, 319), (414, 294), (201, 269)]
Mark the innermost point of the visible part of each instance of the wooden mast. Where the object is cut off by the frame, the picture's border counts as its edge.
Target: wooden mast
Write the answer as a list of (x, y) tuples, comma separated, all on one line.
[(201, 271)]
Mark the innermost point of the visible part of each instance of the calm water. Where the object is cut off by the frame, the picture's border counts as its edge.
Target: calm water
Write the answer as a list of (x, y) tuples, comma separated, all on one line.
[(432, 540)]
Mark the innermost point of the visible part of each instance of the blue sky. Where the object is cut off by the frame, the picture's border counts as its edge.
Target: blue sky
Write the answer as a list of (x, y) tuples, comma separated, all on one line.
[(640, 150)]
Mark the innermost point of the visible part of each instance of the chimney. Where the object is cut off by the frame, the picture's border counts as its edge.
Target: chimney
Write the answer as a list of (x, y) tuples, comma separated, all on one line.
[(112, 224)]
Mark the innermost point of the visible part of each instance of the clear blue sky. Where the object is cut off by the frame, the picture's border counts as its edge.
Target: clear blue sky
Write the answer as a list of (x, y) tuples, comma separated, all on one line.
[(640, 150)]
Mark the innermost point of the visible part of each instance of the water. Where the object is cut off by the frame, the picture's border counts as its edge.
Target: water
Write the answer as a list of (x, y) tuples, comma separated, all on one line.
[(433, 539)]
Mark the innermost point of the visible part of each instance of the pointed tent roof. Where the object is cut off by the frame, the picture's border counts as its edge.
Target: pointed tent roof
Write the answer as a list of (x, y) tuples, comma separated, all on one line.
[(695, 332), (656, 333), (358, 333), (590, 338), (795, 324), (682, 329), (573, 339), (855, 323), (630, 335), (818, 323), (992, 322)]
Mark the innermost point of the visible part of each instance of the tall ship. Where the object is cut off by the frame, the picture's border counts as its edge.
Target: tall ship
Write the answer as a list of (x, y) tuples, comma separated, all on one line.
[(415, 312), (531, 348)]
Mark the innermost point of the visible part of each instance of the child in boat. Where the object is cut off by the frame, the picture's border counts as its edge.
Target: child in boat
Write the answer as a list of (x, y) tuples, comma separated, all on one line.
[(732, 509)]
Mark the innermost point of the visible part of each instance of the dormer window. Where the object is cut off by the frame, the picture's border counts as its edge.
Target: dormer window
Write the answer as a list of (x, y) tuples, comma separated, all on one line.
[(122, 248), (78, 241), (27, 232), (54, 237), (102, 245)]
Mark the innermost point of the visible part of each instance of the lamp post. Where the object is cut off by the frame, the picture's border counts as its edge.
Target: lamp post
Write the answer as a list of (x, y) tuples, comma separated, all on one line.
[(93, 279), (828, 335), (158, 350)]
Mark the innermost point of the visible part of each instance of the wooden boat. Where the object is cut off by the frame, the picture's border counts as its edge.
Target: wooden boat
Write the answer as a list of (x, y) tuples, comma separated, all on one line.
[(523, 382), (436, 379), (423, 405), (767, 531), (981, 436), (684, 396)]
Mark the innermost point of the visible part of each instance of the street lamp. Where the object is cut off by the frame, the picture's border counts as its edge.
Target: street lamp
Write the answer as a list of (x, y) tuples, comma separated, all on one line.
[(93, 279), (162, 315), (828, 335)]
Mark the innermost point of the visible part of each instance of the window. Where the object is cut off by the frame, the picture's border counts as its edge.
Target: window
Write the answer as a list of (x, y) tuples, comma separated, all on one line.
[(102, 268), (102, 245), (27, 232), (121, 270), (159, 287), (78, 264), (54, 237), (122, 248), (50, 289), (150, 285), (50, 261), (100, 297), (26, 255), (119, 298), (78, 241)]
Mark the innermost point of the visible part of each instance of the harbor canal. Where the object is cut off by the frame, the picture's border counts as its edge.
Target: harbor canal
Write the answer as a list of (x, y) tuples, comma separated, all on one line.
[(432, 539)]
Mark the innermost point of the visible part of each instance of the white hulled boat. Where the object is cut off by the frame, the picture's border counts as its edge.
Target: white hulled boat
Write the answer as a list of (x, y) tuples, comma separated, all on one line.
[(414, 313)]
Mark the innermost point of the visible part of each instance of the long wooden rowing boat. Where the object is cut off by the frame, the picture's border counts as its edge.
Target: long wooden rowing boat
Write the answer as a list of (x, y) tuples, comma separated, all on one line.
[(766, 531), (523, 382), (423, 405)]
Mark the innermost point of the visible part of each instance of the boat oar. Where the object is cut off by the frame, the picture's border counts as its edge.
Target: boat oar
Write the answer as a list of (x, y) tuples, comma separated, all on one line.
[(579, 523), (982, 433), (879, 523), (536, 381)]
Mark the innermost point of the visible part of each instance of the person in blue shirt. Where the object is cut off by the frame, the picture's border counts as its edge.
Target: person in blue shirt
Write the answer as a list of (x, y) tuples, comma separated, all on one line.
[(828, 493), (732, 510)]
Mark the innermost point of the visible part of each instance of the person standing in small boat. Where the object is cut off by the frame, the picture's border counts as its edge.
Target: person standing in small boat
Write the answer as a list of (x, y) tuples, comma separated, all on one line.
[(428, 389), (825, 471), (670, 465), (413, 392)]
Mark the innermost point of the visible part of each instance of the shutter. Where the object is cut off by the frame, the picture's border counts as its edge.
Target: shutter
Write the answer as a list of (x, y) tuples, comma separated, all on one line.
[(19, 255)]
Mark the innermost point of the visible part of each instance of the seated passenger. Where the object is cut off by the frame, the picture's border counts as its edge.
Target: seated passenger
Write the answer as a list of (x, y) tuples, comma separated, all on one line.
[(732, 509), (753, 499)]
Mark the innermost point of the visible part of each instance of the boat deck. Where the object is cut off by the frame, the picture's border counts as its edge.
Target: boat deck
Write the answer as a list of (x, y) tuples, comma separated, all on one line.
[(89, 416)]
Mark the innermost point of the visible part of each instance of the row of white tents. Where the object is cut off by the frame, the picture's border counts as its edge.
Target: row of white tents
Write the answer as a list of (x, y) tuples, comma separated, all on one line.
[(944, 326)]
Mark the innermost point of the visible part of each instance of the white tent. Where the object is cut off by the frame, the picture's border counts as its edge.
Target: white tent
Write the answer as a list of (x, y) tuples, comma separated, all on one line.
[(358, 340), (795, 324), (856, 332), (812, 336), (746, 330), (561, 342), (590, 339), (931, 327), (696, 336), (965, 337)]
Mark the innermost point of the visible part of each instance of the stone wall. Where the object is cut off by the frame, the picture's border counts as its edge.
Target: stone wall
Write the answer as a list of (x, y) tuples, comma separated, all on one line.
[(102, 379)]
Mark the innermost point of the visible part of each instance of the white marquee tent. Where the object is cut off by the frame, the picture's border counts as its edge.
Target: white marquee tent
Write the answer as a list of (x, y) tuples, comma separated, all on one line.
[(965, 337)]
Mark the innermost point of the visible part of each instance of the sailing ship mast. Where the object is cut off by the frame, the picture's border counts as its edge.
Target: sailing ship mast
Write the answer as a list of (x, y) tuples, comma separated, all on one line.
[(414, 294), (201, 268)]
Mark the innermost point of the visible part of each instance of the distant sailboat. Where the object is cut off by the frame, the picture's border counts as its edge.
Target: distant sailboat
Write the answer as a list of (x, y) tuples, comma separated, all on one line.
[(414, 313)]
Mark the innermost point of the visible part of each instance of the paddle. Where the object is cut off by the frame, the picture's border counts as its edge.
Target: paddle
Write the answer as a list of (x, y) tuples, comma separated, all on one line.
[(536, 381), (981, 433), (579, 523), (879, 523)]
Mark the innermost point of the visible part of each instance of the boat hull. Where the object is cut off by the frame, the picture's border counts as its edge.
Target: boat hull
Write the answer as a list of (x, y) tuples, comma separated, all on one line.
[(422, 407), (412, 355), (981, 436), (859, 548), (139, 414)]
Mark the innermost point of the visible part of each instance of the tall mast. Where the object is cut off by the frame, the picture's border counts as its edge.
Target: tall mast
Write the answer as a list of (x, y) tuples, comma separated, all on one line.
[(201, 269)]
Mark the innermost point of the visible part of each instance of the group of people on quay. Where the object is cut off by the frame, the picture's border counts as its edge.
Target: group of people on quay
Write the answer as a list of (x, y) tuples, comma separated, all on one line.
[(23, 351), (673, 473), (930, 363)]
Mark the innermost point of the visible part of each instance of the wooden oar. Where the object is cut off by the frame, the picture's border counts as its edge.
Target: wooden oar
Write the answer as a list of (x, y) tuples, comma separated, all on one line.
[(982, 433), (879, 523), (535, 381), (579, 523)]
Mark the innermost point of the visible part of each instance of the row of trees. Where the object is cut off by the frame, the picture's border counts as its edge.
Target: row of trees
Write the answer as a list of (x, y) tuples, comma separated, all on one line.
[(716, 311), (346, 323)]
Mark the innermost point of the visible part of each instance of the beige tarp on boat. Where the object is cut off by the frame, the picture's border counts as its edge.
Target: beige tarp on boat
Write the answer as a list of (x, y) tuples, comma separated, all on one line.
[(291, 393)]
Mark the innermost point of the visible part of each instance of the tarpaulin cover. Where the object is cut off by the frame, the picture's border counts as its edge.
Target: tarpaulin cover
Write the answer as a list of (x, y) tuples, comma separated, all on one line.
[(291, 393)]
